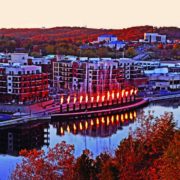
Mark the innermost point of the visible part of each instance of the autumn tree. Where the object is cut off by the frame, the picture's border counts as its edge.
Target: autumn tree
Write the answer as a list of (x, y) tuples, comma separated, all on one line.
[(56, 164)]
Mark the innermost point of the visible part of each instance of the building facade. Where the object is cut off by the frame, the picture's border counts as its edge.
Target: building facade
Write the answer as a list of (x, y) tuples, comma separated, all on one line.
[(87, 75), (107, 38), (23, 84), (154, 38)]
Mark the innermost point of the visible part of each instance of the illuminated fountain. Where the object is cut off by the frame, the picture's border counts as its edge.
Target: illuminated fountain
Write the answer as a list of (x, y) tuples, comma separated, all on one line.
[(109, 101)]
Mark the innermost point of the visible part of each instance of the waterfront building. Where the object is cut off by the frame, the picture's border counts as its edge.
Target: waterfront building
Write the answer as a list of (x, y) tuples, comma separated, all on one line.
[(169, 81), (90, 75), (22, 84)]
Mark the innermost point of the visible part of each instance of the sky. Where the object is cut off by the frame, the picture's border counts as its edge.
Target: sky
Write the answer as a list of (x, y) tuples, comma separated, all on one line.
[(91, 13)]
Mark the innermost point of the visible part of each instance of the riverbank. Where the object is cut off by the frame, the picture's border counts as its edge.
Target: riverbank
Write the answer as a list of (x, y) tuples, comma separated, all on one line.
[(159, 98)]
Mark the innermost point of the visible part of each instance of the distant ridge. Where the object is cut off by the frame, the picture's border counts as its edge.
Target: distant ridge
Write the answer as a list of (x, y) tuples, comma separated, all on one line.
[(57, 34)]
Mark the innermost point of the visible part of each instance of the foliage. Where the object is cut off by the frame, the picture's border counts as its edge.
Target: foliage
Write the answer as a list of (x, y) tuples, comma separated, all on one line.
[(152, 151), (58, 163)]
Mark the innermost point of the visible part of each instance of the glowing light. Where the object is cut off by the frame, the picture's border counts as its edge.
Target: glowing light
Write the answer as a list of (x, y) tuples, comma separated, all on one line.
[(135, 115), (92, 99), (126, 93), (131, 92), (68, 99), (86, 124), (81, 98), (103, 98), (74, 127), (112, 119), (126, 116), (68, 129), (102, 120), (61, 130), (122, 117), (135, 91), (112, 95), (108, 95), (80, 126), (97, 98), (117, 117), (62, 99), (122, 93), (92, 122), (131, 115), (107, 120), (75, 99), (86, 98), (97, 121), (117, 95)]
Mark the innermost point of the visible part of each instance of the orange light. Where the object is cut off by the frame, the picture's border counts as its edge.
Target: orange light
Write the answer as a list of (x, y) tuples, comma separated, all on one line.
[(86, 124), (131, 92), (103, 97), (135, 91), (75, 99), (122, 117), (117, 117), (97, 98), (117, 95), (108, 121), (92, 99), (68, 129), (68, 99), (62, 99), (92, 122), (61, 130), (126, 116), (86, 98), (112, 95), (102, 120), (135, 114), (97, 121), (80, 126), (122, 93), (112, 119), (131, 115), (126, 93), (108, 95), (81, 98), (74, 127)]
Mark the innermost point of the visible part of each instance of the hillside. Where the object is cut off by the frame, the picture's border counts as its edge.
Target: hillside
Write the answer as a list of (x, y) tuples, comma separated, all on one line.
[(41, 37)]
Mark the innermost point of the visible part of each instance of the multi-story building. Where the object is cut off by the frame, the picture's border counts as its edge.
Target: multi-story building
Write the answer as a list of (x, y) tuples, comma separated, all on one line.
[(154, 38), (90, 75), (107, 38), (22, 84)]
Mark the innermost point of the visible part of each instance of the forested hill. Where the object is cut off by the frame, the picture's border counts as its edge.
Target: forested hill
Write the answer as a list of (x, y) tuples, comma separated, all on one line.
[(57, 34)]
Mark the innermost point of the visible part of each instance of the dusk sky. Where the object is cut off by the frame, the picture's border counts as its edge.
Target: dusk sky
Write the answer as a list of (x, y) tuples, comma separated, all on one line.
[(90, 13)]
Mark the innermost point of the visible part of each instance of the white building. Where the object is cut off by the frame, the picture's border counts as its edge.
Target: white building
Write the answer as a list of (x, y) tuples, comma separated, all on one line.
[(116, 44), (154, 38), (107, 38)]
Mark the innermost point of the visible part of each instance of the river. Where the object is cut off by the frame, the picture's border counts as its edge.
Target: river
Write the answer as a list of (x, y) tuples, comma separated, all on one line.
[(97, 134)]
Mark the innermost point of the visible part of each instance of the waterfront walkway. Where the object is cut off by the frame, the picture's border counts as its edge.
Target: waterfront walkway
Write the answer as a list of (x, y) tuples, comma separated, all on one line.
[(45, 115)]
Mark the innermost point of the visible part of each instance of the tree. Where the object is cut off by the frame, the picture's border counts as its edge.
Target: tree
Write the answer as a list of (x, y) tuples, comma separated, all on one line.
[(57, 164), (130, 52), (85, 166)]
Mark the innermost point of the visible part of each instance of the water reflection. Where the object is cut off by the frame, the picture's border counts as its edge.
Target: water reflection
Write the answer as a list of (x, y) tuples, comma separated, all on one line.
[(103, 126), (29, 136)]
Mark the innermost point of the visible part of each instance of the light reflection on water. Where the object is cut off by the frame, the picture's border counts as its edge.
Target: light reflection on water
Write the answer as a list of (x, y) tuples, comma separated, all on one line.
[(97, 134)]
